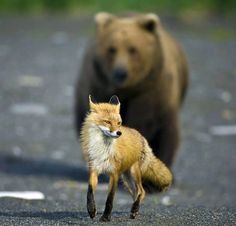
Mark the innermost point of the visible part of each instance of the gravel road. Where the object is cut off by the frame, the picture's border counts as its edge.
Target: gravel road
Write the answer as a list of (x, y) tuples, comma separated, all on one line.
[(39, 61)]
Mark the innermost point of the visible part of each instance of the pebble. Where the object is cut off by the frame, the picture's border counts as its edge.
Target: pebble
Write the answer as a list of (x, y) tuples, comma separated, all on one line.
[(223, 130), (30, 81), (29, 109), (166, 201)]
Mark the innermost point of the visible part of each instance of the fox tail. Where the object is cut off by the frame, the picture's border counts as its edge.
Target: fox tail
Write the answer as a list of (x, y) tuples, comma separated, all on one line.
[(154, 170)]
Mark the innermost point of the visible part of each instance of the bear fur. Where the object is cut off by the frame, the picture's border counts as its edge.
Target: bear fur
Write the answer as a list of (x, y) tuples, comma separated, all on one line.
[(134, 58)]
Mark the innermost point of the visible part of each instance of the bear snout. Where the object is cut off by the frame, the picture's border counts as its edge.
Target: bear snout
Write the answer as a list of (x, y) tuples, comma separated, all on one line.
[(119, 75)]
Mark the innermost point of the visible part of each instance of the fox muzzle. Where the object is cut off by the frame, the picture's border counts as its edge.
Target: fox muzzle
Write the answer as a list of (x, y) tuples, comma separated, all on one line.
[(107, 132), (113, 134)]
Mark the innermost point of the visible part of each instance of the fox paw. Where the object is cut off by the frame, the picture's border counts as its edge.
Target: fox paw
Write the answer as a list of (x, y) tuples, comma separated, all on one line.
[(105, 218), (133, 215), (92, 211)]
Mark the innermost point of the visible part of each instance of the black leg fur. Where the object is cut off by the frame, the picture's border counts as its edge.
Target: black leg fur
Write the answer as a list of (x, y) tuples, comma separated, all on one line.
[(135, 208), (91, 206), (109, 204)]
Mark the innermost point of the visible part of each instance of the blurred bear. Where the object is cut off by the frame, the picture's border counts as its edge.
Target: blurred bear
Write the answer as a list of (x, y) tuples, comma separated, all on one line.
[(134, 58)]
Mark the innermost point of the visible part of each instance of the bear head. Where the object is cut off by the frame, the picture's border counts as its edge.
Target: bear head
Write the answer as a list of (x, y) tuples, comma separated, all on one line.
[(128, 48)]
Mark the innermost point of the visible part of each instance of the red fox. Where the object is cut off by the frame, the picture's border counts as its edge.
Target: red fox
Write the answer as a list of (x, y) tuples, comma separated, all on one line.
[(108, 147)]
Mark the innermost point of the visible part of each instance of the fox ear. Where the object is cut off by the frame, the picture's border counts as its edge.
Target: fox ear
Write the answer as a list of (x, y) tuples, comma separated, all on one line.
[(114, 100), (92, 105)]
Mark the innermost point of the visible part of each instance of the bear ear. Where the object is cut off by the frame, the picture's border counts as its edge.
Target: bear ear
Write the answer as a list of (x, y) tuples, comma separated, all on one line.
[(102, 19), (150, 22), (114, 100)]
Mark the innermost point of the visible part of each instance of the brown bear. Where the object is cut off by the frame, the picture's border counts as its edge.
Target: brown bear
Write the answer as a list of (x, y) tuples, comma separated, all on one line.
[(134, 58)]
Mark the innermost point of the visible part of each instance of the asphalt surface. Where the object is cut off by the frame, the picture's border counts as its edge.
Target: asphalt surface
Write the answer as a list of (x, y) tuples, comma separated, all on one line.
[(39, 61)]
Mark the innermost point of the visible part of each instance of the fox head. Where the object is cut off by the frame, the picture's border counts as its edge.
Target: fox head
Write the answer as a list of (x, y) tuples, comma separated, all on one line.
[(106, 116)]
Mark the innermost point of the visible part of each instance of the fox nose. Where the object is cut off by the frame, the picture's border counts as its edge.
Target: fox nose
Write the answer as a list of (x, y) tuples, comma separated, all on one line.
[(119, 75), (118, 133)]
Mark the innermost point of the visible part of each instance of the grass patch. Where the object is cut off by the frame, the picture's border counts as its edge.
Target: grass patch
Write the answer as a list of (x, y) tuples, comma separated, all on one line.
[(222, 35), (160, 6), (167, 6)]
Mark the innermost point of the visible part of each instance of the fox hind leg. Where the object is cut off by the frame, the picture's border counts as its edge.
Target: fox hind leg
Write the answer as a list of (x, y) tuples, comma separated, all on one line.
[(140, 193), (129, 183)]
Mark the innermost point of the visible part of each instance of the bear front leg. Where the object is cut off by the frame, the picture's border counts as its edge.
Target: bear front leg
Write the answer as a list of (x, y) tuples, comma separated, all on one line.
[(165, 143), (80, 110)]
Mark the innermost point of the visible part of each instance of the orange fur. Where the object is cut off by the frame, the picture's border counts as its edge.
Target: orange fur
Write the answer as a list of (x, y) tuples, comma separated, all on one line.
[(129, 152), (130, 147)]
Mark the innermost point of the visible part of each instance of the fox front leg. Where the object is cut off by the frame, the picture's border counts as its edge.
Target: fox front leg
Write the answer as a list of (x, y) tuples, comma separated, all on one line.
[(106, 216), (91, 206)]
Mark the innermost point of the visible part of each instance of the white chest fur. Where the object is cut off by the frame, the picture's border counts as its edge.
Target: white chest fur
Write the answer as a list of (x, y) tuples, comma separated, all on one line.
[(100, 151)]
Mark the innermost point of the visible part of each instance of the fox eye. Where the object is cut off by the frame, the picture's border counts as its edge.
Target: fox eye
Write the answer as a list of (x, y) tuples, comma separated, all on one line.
[(107, 122), (118, 123)]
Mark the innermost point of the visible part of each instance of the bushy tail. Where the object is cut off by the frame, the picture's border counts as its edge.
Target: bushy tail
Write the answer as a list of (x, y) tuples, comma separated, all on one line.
[(154, 170)]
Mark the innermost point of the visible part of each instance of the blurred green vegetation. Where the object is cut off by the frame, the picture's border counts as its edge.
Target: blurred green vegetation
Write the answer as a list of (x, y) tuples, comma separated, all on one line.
[(159, 6)]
